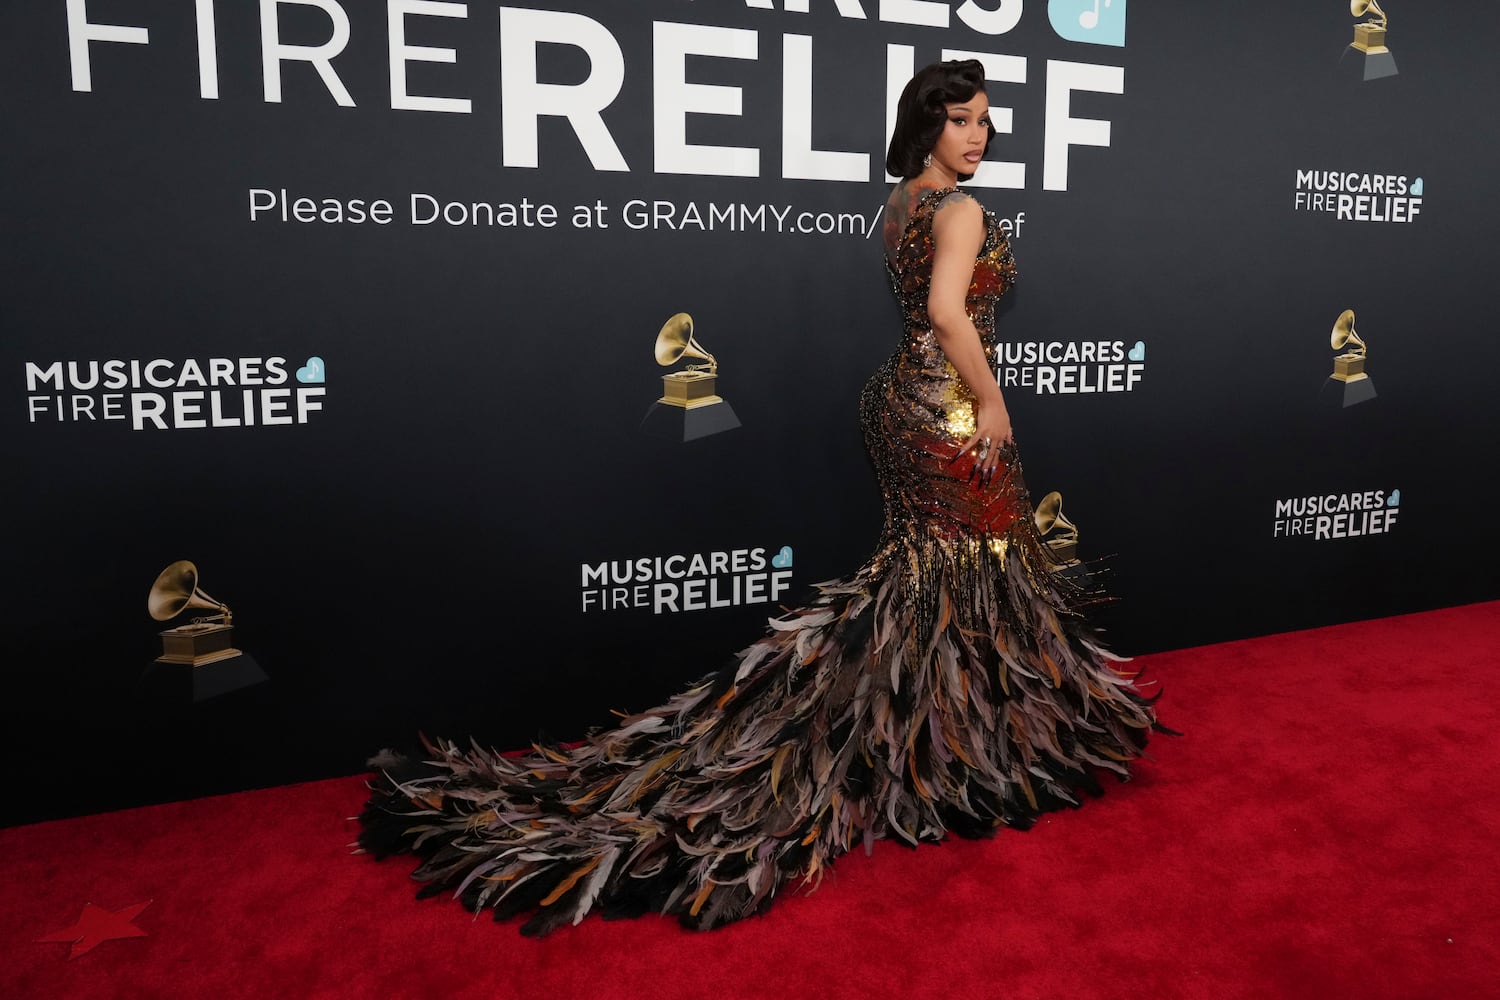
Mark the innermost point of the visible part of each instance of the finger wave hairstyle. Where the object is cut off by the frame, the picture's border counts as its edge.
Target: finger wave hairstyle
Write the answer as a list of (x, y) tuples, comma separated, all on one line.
[(921, 117)]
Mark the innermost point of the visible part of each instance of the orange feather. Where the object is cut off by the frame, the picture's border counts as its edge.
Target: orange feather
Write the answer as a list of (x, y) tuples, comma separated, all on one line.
[(571, 881)]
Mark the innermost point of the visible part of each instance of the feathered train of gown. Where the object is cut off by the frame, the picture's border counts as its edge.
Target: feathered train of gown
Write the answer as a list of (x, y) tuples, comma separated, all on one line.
[(950, 684)]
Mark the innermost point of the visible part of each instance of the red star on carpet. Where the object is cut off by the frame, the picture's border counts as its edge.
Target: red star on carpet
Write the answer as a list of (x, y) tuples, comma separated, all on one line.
[(98, 925)]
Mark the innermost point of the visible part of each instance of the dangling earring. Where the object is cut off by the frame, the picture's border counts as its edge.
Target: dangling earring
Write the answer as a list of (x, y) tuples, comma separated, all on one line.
[(927, 161)]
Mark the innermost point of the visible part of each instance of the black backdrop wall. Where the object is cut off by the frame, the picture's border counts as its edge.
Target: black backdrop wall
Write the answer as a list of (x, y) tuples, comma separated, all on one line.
[(353, 303)]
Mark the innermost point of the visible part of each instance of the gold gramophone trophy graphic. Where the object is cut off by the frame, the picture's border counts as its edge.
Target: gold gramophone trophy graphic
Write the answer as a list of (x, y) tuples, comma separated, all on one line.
[(1063, 540), (1367, 54), (206, 644), (690, 405), (1349, 379)]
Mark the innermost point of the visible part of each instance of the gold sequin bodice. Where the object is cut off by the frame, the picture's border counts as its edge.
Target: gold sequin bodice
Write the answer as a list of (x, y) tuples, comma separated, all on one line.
[(909, 267), (917, 412)]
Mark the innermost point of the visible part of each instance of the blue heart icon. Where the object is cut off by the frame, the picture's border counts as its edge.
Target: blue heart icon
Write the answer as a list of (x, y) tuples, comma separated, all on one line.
[(1138, 352), (1393, 499), (312, 372), (1416, 187), (782, 559)]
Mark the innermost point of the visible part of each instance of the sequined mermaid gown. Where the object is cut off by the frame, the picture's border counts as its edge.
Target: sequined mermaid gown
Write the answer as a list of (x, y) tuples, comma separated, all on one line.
[(949, 684)]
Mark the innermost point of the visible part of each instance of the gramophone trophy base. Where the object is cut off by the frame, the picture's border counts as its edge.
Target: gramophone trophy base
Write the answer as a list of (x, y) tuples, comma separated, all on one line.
[(1064, 551), (689, 388), (1348, 367), (675, 422), (198, 644), (223, 677), (201, 657), (182, 682), (1349, 392), (689, 408), (1367, 64), (1369, 38)]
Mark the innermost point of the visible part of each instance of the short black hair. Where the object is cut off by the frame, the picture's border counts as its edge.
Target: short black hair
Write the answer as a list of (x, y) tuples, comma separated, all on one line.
[(921, 115)]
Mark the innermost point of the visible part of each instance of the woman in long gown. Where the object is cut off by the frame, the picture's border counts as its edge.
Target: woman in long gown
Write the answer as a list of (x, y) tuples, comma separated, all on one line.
[(949, 685)]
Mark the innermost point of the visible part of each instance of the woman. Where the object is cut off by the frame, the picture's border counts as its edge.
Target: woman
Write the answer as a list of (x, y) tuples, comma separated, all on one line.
[(948, 685)]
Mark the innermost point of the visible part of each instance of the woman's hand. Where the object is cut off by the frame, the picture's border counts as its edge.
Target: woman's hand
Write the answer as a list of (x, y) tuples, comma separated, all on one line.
[(992, 432)]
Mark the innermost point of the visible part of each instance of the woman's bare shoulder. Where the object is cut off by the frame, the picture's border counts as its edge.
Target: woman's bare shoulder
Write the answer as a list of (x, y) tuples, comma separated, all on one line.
[(957, 212)]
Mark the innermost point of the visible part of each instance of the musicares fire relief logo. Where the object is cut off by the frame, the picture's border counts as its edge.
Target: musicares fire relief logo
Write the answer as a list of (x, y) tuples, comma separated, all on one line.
[(698, 582), (1354, 196), (1337, 515), (169, 394), (548, 106), (1070, 368)]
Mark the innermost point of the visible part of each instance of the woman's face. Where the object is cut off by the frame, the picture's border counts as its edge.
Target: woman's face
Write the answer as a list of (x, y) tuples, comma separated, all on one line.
[(960, 147)]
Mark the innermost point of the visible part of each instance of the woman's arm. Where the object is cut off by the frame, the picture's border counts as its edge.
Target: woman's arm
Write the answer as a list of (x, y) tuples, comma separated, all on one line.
[(957, 234)]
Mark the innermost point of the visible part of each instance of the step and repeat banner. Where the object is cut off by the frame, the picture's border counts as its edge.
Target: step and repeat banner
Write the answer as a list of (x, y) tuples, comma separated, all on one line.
[(481, 368)]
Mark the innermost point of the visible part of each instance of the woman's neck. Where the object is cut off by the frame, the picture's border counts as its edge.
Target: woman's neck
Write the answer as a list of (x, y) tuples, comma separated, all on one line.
[(935, 176)]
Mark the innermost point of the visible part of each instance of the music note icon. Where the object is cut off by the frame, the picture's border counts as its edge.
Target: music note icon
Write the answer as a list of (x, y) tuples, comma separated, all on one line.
[(1093, 22), (1089, 19)]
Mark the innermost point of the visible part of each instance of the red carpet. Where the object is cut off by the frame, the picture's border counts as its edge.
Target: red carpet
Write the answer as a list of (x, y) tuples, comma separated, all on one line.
[(1327, 828)]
